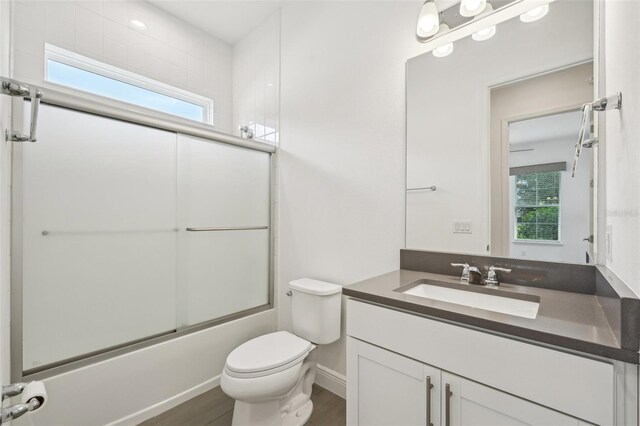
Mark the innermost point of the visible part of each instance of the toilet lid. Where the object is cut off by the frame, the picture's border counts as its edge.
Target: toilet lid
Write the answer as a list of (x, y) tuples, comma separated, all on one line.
[(267, 352)]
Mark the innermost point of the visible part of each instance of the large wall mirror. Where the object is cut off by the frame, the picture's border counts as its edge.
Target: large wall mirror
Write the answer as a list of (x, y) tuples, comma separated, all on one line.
[(490, 152)]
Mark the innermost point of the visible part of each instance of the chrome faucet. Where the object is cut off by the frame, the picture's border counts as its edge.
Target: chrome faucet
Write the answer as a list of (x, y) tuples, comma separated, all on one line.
[(465, 271), (492, 277), (476, 277), (473, 275)]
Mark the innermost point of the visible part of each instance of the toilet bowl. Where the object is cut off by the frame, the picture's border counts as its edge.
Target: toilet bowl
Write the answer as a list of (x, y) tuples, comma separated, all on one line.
[(271, 376)]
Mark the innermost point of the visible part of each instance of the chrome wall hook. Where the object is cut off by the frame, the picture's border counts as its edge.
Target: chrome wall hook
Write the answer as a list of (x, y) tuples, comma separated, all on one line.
[(608, 103), (585, 140)]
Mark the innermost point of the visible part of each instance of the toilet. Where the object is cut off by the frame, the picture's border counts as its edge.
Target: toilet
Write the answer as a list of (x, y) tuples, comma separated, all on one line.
[(270, 377)]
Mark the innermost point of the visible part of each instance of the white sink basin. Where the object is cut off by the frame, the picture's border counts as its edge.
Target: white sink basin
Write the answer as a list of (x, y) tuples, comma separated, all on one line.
[(489, 302)]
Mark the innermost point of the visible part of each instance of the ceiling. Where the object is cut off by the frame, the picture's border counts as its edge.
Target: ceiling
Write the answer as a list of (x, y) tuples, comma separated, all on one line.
[(547, 128), (226, 20)]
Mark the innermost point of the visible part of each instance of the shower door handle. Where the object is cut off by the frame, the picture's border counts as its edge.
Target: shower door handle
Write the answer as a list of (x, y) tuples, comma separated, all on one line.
[(226, 228)]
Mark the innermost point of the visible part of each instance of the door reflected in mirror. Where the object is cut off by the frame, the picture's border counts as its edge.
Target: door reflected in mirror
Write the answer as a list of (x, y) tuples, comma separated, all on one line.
[(549, 211), (543, 212)]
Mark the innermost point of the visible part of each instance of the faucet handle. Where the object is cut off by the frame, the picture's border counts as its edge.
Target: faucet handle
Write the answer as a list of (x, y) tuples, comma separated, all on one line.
[(492, 277), (465, 271)]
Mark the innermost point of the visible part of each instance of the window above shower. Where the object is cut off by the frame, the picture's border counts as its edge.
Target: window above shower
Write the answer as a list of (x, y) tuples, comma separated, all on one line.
[(232, 58), (79, 72)]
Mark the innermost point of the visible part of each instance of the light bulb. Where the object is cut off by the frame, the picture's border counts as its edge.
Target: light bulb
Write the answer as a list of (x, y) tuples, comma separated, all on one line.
[(535, 14), (428, 23), (442, 51), (428, 20), (484, 34), (472, 7), (445, 50)]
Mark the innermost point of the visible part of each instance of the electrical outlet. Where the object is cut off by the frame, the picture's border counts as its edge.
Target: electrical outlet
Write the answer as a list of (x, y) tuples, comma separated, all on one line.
[(462, 228), (609, 242)]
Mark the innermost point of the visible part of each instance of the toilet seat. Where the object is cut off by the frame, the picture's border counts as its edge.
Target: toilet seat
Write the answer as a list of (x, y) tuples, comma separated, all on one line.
[(266, 355)]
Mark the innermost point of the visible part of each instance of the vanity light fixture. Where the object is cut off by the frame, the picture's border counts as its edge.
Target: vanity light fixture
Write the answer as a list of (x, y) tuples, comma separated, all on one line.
[(428, 20), (535, 14), (444, 50), (472, 7), (137, 24), (485, 33), (482, 26)]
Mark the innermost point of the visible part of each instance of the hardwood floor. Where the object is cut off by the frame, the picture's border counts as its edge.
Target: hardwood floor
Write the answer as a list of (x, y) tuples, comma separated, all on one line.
[(216, 409)]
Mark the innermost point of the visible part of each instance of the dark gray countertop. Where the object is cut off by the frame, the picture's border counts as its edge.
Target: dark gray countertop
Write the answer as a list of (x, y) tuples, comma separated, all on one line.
[(565, 319)]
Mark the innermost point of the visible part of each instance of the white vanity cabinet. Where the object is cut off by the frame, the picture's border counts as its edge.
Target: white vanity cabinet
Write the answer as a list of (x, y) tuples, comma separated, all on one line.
[(389, 389), (475, 377)]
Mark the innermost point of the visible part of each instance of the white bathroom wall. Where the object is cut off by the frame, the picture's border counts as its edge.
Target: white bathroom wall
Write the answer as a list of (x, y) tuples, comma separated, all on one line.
[(621, 43), (169, 50), (342, 148), (448, 120), (256, 81)]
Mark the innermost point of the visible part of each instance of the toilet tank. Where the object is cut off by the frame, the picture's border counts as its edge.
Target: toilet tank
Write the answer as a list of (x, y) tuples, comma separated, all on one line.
[(315, 310)]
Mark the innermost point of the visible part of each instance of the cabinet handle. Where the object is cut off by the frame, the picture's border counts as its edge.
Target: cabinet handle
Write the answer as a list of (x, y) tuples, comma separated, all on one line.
[(429, 387), (447, 405)]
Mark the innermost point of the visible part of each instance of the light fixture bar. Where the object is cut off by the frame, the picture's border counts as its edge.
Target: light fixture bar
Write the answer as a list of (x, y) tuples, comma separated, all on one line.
[(509, 11)]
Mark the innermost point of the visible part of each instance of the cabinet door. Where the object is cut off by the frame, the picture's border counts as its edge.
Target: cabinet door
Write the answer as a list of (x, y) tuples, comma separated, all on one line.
[(468, 403), (385, 388)]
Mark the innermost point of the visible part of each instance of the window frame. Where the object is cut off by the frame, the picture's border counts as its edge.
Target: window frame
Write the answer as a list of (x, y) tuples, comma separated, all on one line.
[(72, 59), (515, 217)]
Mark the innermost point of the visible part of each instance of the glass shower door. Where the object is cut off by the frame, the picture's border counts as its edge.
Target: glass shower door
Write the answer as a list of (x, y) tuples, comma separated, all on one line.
[(125, 232), (98, 235), (224, 211)]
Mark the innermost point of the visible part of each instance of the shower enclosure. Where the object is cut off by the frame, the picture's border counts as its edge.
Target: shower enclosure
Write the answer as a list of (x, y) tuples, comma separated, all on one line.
[(130, 230)]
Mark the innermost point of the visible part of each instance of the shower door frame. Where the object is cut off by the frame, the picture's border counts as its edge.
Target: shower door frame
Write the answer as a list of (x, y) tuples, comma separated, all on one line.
[(103, 107)]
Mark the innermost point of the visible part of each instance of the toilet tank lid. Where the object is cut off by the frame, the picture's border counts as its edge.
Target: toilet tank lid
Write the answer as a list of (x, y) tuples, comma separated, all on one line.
[(319, 288)]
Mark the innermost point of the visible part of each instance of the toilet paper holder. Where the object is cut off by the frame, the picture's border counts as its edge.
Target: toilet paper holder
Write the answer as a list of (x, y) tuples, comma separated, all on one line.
[(34, 399)]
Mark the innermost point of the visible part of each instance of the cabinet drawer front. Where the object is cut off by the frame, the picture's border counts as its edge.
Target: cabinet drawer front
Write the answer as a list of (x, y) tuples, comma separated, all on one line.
[(572, 384)]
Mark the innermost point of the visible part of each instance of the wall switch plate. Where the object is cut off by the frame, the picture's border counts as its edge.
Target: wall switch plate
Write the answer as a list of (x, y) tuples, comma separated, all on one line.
[(462, 228)]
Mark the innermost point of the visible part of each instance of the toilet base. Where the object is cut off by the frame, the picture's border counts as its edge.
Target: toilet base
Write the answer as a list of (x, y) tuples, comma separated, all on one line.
[(293, 409), (300, 416)]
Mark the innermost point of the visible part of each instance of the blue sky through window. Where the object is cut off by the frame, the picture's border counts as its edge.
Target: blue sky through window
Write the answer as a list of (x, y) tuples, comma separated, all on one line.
[(77, 78)]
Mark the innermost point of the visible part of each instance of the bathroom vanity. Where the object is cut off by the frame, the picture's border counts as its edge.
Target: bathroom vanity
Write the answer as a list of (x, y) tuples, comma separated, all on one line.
[(415, 360), (495, 131)]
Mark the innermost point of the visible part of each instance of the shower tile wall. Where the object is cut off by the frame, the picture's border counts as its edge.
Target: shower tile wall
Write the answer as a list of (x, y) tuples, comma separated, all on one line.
[(169, 50), (256, 81)]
